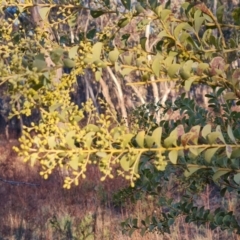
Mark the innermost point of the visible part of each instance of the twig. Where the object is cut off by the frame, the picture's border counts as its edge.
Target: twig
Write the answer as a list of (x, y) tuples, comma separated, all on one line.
[(18, 183)]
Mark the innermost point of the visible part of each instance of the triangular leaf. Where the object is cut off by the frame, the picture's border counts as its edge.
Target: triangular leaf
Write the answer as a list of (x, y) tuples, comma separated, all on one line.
[(237, 178), (43, 12), (173, 156), (230, 134), (218, 129), (113, 55), (52, 142), (140, 139), (96, 50), (173, 70), (208, 154), (195, 134), (198, 21), (219, 173), (72, 53), (96, 14), (70, 139), (228, 151), (157, 135), (149, 141), (212, 137), (190, 171), (188, 83), (74, 162), (126, 139), (206, 130), (124, 162)]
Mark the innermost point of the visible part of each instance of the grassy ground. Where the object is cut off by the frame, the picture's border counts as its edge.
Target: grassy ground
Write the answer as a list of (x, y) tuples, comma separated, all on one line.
[(41, 209)]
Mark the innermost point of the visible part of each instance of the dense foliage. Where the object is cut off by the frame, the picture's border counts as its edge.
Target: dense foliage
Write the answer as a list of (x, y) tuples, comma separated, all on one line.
[(147, 147)]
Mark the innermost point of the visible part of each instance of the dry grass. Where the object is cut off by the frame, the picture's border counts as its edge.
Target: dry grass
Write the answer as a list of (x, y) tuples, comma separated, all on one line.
[(26, 210)]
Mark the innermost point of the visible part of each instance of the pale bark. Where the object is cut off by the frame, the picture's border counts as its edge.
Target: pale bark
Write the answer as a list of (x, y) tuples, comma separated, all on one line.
[(120, 94), (105, 92)]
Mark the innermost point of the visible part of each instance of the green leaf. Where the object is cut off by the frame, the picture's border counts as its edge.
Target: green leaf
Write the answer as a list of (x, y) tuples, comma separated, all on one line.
[(190, 171), (51, 142), (125, 71), (153, 3), (88, 59), (206, 130), (136, 166), (91, 33), (126, 139), (173, 156), (96, 14), (98, 75), (128, 59), (230, 96), (33, 159), (102, 154), (165, 13), (156, 65), (219, 13), (43, 12), (72, 20), (173, 70), (73, 163), (39, 64), (123, 22), (185, 75), (212, 137), (230, 134), (100, 64), (56, 55), (196, 151), (139, 8), (186, 138), (88, 139), (169, 141), (92, 128), (70, 140), (157, 135), (149, 141), (96, 50), (195, 130), (117, 67), (162, 34), (237, 178), (236, 153), (198, 23), (180, 27), (219, 173), (113, 55), (218, 129), (208, 18), (72, 53), (158, 10), (235, 15), (67, 62), (143, 41), (140, 139), (228, 151), (208, 154), (124, 162)]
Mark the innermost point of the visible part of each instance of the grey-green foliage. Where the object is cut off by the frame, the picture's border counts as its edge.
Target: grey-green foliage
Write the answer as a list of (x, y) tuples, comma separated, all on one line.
[(67, 228)]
